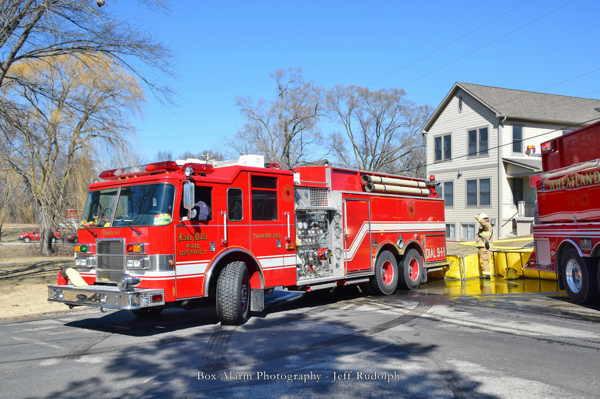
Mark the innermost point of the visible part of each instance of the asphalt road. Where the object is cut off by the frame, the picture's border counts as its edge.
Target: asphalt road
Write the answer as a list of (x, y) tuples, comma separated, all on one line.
[(340, 345)]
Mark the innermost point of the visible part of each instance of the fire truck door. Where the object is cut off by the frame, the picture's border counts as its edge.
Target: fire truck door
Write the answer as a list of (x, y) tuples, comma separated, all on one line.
[(196, 242), (357, 235), (269, 226)]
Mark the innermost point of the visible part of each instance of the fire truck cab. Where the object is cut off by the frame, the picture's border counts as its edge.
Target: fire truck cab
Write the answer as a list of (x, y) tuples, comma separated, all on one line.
[(179, 234)]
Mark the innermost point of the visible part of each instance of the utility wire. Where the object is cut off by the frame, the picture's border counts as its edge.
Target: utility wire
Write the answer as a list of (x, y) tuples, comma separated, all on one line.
[(448, 44), (589, 92), (568, 80), (557, 97), (486, 45), (528, 138)]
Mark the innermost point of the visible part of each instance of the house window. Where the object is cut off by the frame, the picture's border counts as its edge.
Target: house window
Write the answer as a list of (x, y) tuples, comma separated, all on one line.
[(479, 192), (484, 192), (448, 194), (468, 231), (443, 147), (450, 231), (478, 141), (471, 192), (517, 138), (447, 147)]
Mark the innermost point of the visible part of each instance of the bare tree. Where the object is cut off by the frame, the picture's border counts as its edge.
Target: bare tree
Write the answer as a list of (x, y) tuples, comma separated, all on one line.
[(36, 29), (207, 156), (285, 130), (69, 109), (381, 130), (12, 196), (163, 155)]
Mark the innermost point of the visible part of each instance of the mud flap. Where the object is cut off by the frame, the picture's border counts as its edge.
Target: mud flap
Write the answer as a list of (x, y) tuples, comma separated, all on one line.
[(257, 300)]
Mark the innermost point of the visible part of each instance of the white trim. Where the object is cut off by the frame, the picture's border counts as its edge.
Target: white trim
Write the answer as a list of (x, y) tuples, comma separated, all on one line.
[(390, 227)]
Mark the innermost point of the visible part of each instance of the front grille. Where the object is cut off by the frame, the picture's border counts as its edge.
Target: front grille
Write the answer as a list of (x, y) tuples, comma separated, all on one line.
[(111, 260), (318, 197)]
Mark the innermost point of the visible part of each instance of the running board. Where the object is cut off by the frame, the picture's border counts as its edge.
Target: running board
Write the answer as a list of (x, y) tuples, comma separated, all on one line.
[(435, 269), (356, 281), (312, 288)]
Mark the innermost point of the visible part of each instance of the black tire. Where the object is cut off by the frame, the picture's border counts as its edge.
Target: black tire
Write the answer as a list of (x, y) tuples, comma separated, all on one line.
[(385, 280), (26, 240), (147, 313), (410, 270), (580, 278), (233, 294)]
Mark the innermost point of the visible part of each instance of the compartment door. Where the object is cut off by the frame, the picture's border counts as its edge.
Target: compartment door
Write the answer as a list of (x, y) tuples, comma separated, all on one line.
[(357, 235)]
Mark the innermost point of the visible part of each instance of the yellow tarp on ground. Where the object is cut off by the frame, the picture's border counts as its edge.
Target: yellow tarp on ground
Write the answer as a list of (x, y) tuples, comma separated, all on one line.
[(507, 263), (497, 285), (463, 267)]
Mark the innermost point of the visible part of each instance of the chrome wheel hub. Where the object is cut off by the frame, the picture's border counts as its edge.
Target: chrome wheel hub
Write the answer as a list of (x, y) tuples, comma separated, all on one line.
[(573, 274)]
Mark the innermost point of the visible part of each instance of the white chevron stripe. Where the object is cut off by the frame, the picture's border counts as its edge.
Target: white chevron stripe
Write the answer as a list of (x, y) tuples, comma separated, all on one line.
[(390, 227)]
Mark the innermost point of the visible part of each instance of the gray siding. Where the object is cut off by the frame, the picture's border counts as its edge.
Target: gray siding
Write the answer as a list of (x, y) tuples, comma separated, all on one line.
[(474, 115)]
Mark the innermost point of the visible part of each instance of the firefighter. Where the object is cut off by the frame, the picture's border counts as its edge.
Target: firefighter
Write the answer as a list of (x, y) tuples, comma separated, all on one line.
[(484, 243)]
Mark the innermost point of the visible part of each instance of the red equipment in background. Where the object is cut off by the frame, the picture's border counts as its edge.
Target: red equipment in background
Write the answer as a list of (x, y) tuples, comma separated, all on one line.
[(567, 228)]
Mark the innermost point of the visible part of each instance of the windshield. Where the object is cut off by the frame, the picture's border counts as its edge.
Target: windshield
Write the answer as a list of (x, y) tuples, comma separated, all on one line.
[(99, 207), (142, 205)]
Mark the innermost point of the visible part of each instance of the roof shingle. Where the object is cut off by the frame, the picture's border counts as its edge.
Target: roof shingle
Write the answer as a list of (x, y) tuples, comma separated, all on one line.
[(519, 104)]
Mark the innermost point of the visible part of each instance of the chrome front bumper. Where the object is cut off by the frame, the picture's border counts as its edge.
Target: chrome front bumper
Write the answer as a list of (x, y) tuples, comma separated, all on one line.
[(106, 297)]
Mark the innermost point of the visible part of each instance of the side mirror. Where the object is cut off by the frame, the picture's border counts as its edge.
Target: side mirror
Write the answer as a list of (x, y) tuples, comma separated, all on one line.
[(188, 199)]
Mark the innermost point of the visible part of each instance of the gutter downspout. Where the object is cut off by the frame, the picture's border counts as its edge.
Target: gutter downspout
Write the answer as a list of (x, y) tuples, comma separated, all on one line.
[(500, 175)]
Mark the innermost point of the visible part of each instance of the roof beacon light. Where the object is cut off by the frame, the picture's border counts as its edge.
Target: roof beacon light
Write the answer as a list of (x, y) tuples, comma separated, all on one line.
[(197, 168), (530, 150), (432, 177), (547, 147), (139, 170)]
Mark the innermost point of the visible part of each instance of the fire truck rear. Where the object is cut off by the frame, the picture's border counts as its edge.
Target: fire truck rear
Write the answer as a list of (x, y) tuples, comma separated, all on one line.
[(567, 228), (181, 234)]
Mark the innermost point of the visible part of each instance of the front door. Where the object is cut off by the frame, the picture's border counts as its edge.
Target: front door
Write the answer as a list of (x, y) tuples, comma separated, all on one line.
[(196, 242), (357, 235)]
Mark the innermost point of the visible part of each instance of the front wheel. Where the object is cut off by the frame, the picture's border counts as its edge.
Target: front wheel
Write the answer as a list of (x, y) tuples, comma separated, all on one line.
[(385, 280), (411, 270), (233, 294), (53, 240), (26, 240), (579, 278)]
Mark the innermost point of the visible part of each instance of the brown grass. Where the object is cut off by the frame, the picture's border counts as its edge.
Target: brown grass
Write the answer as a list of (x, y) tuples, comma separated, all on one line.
[(24, 275)]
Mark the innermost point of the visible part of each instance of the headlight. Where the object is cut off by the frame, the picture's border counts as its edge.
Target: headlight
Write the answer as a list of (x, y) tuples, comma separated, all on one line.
[(81, 262), (141, 263), (125, 282)]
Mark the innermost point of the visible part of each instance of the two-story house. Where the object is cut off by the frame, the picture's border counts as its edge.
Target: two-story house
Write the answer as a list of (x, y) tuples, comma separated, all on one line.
[(476, 146)]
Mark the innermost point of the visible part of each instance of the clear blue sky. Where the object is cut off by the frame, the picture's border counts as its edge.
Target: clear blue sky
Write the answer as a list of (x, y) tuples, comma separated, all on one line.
[(228, 48)]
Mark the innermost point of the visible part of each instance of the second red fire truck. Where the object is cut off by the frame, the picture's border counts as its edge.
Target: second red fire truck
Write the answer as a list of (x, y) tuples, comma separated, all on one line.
[(176, 234), (567, 229)]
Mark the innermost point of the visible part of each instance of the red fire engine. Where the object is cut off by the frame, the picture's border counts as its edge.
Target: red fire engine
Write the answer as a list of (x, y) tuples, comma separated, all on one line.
[(567, 228), (177, 234)]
